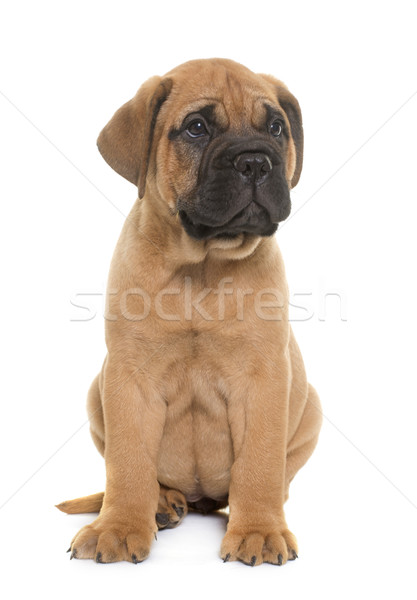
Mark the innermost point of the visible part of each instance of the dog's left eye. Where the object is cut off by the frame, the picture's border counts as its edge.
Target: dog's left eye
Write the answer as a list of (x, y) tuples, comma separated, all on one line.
[(196, 129), (275, 128)]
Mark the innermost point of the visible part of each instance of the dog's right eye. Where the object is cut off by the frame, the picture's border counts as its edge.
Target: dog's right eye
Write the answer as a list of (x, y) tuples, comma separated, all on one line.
[(197, 129)]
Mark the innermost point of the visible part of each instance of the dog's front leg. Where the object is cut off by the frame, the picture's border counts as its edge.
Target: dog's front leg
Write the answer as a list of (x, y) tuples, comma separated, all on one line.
[(134, 422), (258, 413)]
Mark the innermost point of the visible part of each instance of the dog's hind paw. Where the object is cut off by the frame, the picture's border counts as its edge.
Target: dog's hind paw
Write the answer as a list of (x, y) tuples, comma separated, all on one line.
[(172, 508)]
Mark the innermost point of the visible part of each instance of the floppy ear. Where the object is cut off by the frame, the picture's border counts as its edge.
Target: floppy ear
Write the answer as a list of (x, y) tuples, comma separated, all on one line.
[(292, 109), (125, 143)]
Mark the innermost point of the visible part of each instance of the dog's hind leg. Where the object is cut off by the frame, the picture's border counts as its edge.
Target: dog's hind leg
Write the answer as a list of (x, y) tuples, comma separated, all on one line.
[(95, 414)]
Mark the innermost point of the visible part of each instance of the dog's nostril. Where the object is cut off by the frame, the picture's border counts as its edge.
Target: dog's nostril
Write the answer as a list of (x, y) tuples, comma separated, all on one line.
[(253, 165)]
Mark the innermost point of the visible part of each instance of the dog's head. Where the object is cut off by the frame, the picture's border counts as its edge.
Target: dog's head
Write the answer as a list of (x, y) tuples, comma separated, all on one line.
[(220, 145)]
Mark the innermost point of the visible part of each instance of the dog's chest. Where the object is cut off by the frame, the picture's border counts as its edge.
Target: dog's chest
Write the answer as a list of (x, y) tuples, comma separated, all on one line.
[(196, 450)]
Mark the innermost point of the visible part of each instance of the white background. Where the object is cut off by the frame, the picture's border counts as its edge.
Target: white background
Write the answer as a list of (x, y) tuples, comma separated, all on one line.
[(65, 68)]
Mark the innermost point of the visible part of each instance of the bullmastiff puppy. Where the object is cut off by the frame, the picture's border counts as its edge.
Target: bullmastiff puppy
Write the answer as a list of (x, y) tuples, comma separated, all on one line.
[(202, 400)]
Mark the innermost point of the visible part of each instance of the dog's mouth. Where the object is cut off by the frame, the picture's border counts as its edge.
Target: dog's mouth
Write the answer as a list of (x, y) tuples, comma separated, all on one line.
[(253, 219)]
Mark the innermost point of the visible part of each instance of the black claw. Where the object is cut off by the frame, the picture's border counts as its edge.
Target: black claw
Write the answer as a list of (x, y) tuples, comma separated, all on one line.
[(226, 558), (69, 549), (99, 557), (295, 555), (178, 509), (162, 519), (73, 554), (280, 559), (252, 561), (135, 559)]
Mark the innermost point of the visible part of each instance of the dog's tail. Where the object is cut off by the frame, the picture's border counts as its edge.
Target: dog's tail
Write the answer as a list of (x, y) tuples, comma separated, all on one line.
[(86, 504)]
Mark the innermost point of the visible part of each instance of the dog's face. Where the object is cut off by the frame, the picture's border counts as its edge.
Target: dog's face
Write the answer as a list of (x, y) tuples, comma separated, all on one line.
[(219, 144)]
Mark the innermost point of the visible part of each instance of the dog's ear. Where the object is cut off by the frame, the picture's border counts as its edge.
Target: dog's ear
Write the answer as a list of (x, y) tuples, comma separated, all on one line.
[(125, 143), (290, 106)]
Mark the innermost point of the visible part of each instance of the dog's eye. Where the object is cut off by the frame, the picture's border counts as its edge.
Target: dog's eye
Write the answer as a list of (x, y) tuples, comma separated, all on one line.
[(275, 128), (197, 129)]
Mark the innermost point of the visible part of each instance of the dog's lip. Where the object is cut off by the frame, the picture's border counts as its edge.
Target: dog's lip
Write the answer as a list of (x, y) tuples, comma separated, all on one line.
[(224, 234), (198, 223), (227, 232)]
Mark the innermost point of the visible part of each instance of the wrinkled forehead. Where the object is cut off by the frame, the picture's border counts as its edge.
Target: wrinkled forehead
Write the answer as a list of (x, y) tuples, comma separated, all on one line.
[(232, 99)]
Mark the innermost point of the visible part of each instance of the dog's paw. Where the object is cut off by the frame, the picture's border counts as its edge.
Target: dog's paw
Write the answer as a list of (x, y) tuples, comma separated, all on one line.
[(172, 508), (255, 547), (108, 541)]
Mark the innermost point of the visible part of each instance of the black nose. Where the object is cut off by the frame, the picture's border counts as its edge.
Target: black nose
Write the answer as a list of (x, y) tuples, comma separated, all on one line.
[(253, 166)]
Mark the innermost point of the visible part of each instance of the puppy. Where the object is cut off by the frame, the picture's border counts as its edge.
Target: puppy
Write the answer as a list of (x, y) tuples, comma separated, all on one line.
[(202, 400)]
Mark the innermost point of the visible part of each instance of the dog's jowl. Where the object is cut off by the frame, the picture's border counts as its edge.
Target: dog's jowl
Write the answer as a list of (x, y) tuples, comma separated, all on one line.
[(202, 401)]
